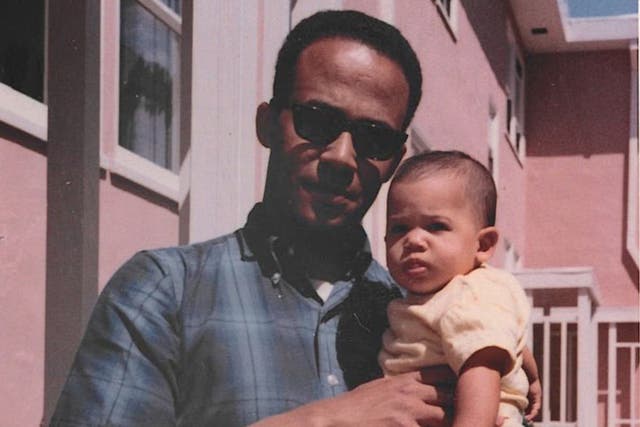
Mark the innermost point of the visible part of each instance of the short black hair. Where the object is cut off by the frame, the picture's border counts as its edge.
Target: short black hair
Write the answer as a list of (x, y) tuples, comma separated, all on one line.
[(479, 184), (353, 25)]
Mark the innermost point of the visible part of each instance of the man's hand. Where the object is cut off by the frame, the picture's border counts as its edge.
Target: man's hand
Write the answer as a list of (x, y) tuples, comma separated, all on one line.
[(403, 400)]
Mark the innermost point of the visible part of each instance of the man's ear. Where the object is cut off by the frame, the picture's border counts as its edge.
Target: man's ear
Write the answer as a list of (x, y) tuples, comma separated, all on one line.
[(394, 164), (267, 126), (487, 242)]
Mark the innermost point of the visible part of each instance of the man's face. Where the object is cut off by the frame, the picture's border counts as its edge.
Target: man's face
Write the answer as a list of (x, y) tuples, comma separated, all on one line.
[(331, 185), (432, 232)]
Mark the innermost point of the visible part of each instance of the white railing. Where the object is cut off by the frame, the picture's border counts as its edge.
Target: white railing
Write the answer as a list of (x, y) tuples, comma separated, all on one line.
[(564, 339), (621, 405)]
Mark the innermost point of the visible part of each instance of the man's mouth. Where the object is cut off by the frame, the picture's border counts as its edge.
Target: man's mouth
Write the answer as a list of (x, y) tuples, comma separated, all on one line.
[(327, 194)]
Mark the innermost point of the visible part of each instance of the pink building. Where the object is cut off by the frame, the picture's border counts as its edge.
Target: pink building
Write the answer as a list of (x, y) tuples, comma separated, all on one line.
[(130, 125)]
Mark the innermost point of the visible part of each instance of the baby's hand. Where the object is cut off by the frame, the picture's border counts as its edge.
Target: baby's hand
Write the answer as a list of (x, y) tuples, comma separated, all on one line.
[(535, 400)]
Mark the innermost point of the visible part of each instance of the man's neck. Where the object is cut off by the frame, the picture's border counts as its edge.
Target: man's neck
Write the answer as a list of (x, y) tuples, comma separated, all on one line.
[(325, 253)]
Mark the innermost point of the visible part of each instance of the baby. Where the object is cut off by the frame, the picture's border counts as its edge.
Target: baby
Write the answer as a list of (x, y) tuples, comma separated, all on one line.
[(457, 310)]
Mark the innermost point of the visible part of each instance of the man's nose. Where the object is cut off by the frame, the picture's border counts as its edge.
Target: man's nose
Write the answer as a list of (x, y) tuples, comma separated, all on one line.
[(338, 162), (341, 151)]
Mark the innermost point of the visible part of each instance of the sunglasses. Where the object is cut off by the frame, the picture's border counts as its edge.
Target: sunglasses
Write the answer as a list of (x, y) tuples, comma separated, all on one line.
[(323, 125)]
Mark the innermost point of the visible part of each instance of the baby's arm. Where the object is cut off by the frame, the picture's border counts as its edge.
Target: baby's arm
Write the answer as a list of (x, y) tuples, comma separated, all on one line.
[(478, 389), (535, 389)]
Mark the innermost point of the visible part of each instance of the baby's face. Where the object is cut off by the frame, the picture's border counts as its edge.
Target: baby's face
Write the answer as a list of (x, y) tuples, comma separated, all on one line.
[(432, 233)]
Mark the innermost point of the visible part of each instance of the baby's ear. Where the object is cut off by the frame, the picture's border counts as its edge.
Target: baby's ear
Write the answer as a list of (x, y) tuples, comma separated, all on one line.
[(487, 242)]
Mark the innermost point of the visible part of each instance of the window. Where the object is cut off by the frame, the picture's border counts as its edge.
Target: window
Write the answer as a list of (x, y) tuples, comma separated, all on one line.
[(22, 46), (512, 260), (493, 138), (418, 143), (23, 66), (149, 117), (449, 11), (515, 98)]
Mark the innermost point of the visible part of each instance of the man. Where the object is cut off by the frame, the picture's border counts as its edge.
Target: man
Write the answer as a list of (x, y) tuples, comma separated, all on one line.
[(274, 323)]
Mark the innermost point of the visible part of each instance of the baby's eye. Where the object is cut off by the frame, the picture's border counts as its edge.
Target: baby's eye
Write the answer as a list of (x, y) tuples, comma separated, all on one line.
[(434, 227), (397, 229)]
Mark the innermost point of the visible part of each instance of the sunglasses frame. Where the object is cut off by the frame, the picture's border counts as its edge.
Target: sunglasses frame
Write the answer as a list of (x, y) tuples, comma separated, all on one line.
[(370, 140)]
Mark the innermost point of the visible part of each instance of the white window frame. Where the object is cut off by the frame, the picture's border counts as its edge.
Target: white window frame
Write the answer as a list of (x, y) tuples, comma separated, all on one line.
[(124, 162), (23, 112), (301, 9), (450, 18), (632, 243), (512, 258), (493, 140), (515, 125)]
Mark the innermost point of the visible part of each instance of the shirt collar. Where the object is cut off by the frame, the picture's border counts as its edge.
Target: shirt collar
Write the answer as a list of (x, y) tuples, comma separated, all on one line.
[(274, 248)]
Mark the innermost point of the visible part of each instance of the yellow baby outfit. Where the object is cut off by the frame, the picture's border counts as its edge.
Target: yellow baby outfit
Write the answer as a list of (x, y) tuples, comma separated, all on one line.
[(485, 308)]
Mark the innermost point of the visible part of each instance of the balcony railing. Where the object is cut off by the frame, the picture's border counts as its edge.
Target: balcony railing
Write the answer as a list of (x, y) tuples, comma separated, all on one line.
[(566, 324)]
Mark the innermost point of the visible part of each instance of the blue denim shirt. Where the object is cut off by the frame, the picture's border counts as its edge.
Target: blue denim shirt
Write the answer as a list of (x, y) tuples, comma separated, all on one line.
[(197, 335)]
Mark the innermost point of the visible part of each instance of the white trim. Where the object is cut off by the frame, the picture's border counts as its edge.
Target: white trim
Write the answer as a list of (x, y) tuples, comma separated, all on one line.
[(23, 112), (184, 179), (516, 84), (45, 68), (617, 315), (563, 370), (599, 28), (560, 278), (493, 139), (450, 19), (144, 172), (417, 142), (587, 387), (387, 10), (632, 243), (612, 359), (305, 8), (223, 102), (546, 370), (101, 139), (163, 13)]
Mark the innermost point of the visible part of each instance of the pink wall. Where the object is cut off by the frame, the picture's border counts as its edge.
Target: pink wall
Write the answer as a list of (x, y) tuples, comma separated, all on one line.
[(23, 174), (463, 76), (131, 219), (577, 122)]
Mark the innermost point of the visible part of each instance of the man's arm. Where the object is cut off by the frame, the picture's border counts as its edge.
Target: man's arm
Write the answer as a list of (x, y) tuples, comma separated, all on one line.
[(123, 372), (403, 400)]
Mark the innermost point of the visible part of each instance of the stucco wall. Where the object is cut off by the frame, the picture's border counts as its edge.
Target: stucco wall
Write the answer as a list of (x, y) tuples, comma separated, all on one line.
[(577, 122), (23, 174), (131, 219), (463, 80)]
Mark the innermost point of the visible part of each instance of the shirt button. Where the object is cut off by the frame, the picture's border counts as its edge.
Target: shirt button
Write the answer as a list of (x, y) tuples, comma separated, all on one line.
[(332, 379)]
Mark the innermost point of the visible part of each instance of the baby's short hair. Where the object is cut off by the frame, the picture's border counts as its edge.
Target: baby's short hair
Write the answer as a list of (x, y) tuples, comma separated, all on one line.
[(479, 184)]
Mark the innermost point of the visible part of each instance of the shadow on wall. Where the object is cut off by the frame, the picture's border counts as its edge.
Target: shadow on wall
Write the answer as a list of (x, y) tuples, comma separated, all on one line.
[(578, 103), (482, 16), (24, 139), (143, 193)]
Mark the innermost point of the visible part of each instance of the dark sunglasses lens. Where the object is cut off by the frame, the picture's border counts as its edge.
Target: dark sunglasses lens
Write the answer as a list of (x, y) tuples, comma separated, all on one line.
[(378, 143), (315, 124)]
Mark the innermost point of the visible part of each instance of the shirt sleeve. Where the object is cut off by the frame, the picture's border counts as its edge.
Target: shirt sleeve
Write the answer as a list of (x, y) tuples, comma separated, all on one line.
[(477, 321), (124, 370)]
